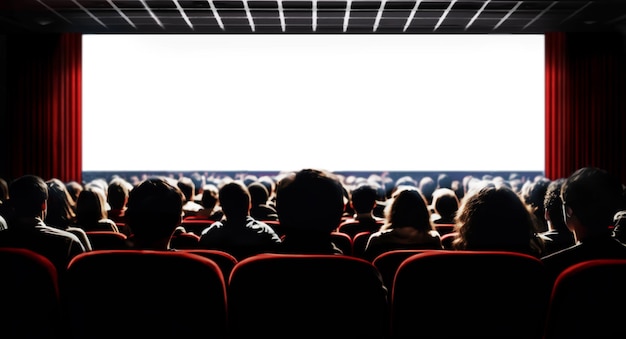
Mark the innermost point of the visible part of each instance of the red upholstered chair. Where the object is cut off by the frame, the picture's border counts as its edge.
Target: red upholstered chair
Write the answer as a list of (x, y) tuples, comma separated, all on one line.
[(185, 241), (342, 241), (447, 239), (144, 294), (469, 294), (276, 226), (588, 301), (388, 263), (224, 260), (107, 240), (359, 242), (196, 226), (29, 296), (306, 296), (444, 229)]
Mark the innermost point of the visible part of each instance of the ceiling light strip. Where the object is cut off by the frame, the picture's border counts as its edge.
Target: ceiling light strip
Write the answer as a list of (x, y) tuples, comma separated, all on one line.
[(281, 15), (216, 14), (53, 11), (119, 11), (577, 11), (445, 14), (477, 14), (346, 17), (249, 15), (183, 14), (156, 19), (412, 15), (539, 15), (314, 15), (379, 15), (504, 18), (89, 13)]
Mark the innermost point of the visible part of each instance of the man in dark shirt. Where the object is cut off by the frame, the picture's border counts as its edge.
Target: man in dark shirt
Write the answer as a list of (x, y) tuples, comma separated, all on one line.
[(238, 233), (590, 198), (26, 229)]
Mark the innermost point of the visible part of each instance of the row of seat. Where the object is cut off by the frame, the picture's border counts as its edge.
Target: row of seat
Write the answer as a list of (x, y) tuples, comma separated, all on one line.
[(433, 294)]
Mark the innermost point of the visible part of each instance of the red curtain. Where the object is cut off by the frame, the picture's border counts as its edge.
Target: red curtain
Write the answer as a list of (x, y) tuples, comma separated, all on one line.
[(585, 103), (44, 106)]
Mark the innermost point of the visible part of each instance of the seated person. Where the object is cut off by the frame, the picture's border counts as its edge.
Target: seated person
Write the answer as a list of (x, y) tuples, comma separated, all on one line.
[(558, 236), (238, 233), (154, 210), (495, 218), (310, 204), (363, 200), (259, 199), (445, 206), (591, 197), (91, 213), (28, 196), (407, 225)]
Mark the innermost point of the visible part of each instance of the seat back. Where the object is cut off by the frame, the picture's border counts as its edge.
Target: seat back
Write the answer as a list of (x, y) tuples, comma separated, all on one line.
[(185, 241), (444, 229), (306, 295), (359, 242), (387, 264), (29, 295), (151, 291), (224, 260), (107, 240), (469, 294), (447, 240), (588, 301), (342, 241)]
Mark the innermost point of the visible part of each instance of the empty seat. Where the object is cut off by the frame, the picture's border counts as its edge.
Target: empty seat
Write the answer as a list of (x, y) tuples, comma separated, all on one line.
[(29, 295), (144, 294), (588, 301), (185, 241), (306, 296), (469, 294)]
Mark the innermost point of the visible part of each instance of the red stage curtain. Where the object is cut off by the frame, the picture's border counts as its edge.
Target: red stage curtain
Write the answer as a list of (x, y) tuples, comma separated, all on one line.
[(585, 103), (44, 106)]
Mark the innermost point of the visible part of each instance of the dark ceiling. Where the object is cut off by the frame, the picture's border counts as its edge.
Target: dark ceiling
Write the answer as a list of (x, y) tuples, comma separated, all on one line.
[(317, 16)]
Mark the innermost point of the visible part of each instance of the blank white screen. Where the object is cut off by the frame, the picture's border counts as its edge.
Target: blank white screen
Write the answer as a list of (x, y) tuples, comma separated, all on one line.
[(338, 102)]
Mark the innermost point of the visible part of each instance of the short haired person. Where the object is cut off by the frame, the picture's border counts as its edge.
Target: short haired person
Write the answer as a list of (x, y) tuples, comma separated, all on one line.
[(26, 228)]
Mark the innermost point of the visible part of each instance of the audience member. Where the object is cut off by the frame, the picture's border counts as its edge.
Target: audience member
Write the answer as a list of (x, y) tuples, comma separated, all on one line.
[(188, 188), (535, 197), (310, 204), (494, 218), (154, 210), (74, 188), (445, 205), (427, 185), (239, 233), (211, 210), (117, 197), (91, 211), (28, 198), (260, 205), (591, 197), (407, 225), (363, 200), (558, 236), (60, 211)]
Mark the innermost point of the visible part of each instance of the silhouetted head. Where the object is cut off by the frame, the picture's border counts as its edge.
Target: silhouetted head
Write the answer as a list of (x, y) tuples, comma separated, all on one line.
[(408, 208), (235, 200), (310, 200), (91, 206), (363, 198), (593, 196), (258, 193), (554, 206), (154, 208), (28, 196), (117, 193), (187, 186), (495, 218), (60, 212), (445, 202)]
